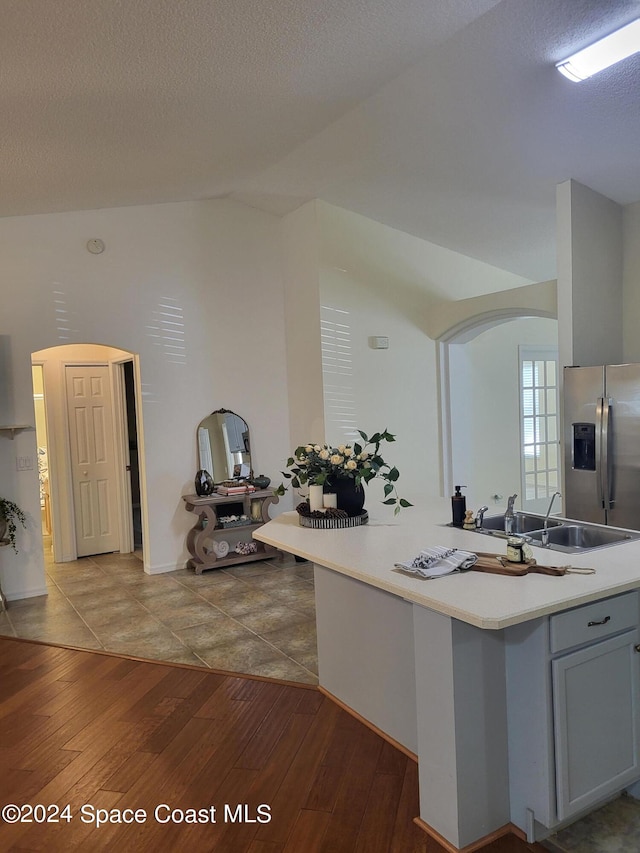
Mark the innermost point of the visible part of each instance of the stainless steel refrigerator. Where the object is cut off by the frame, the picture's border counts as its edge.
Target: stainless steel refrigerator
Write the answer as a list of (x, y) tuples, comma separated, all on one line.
[(602, 444)]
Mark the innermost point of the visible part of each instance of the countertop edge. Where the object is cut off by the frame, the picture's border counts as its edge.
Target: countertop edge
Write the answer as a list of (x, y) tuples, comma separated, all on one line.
[(275, 533)]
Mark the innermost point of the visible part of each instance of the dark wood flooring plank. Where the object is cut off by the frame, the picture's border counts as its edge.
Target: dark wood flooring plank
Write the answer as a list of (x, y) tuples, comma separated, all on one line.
[(353, 794), (407, 837), (308, 832), (294, 789), (376, 830), (261, 744), (332, 784)]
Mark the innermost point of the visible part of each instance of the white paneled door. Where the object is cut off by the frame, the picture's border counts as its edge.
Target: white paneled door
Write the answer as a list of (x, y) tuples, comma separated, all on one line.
[(93, 466)]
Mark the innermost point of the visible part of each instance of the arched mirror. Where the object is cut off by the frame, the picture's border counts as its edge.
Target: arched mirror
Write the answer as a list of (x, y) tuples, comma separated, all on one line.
[(224, 447)]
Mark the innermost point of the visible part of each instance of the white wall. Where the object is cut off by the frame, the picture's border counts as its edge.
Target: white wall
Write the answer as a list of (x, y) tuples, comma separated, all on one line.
[(590, 263), (392, 389), (215, 267), (301, 245), (631, 282), (485, 408)]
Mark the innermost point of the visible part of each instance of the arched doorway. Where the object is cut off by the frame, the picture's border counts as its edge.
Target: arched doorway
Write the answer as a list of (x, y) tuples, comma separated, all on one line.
[(90, 435), (480, 400)]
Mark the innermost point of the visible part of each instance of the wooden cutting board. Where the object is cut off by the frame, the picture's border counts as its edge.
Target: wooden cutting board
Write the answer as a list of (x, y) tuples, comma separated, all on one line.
[(498, 564)]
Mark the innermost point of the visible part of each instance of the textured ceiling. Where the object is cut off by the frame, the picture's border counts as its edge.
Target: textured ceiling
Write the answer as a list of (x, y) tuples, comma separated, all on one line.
[(444, 120)]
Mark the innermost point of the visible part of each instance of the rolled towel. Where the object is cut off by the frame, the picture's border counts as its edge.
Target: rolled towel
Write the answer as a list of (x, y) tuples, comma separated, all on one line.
[(437, 561)]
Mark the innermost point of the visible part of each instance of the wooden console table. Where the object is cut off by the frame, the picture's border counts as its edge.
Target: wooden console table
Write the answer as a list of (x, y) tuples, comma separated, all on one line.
[(208, 530)]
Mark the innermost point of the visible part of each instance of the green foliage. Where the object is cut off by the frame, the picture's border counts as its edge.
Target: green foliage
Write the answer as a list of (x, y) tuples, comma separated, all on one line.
[(314, 464), (11, 512)]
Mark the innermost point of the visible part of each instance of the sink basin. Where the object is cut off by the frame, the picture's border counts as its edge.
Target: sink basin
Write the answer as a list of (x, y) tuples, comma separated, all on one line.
[(582, 537), (523, 522)]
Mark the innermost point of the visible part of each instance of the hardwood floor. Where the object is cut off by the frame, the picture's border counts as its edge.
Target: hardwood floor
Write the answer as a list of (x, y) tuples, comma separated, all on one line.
[(100, 731)]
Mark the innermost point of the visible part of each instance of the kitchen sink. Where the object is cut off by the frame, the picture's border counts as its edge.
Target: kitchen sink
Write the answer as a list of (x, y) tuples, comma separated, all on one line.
[(523, 523), (564, 534), (582, 537)]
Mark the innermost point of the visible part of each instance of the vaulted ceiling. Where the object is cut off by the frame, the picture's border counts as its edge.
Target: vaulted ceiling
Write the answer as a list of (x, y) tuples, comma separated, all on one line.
[(446, 120)]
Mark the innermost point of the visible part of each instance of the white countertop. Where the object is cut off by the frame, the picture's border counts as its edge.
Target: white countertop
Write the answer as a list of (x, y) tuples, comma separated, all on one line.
[(368, 553)]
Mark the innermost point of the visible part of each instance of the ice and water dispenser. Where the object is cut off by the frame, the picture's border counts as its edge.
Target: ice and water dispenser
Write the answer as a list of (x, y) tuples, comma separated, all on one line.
[(584, 447)]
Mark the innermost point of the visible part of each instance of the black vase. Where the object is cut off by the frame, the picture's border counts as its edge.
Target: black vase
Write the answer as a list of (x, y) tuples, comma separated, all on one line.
[(204, 483), (349, 497)]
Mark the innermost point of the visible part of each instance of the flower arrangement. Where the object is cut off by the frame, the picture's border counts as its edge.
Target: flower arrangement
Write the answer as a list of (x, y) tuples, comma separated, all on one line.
[(317, 464), (9, 514)]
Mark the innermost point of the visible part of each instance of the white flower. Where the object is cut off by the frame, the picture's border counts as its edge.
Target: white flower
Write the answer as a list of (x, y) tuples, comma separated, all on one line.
[(351, 465), (324, 454), (362, 456), (309, 448), (341, 448), (336, 459), (348, 451), (317, 448)]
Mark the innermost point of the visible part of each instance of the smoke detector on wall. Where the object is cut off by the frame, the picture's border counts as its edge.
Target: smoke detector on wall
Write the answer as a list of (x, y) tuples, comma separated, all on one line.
[(95, 246)]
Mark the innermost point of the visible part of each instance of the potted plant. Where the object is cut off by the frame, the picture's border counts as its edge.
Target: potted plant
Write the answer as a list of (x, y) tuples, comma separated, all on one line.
[(10, 513), (350, 465)]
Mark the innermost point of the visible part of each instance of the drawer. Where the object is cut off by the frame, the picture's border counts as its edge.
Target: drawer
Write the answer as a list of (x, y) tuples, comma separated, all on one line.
[(593, 621)]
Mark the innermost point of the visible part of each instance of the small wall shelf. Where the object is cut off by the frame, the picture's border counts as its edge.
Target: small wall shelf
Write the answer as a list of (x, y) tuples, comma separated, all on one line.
[(12, 429), (207, 529)]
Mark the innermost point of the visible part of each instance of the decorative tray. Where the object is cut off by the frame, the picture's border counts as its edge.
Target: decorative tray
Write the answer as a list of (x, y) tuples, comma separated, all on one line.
[(334, 523)]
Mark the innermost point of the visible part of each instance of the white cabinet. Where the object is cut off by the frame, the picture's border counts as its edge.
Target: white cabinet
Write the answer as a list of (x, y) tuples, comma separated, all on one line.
[(596, 721), (573, 687)]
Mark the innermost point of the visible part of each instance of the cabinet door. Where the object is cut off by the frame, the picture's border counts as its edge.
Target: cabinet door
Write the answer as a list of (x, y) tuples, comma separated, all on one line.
[(596, 725)]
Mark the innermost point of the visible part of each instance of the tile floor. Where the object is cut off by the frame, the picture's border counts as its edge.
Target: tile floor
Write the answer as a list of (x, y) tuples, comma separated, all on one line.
[(256, 618), (615, 828)]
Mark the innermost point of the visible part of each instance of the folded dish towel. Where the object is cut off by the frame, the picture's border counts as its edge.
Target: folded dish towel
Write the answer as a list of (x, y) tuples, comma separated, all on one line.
[(438, 561)]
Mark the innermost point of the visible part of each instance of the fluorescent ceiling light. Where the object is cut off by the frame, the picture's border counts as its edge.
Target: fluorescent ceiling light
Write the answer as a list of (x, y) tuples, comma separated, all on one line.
[(600, 55)]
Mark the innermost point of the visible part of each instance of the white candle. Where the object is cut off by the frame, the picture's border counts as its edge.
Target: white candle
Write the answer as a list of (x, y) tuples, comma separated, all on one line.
[(330, 500), (315, 498)]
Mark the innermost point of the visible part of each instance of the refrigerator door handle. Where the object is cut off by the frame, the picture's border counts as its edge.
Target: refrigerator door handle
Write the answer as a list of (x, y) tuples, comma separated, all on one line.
[(605, 454), (599, 478)]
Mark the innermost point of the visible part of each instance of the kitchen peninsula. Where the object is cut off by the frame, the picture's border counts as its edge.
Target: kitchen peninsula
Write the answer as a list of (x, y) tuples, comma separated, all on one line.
[(498, 684)]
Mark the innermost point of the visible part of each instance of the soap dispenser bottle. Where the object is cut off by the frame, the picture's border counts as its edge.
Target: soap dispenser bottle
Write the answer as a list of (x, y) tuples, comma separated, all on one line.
[(458, 507)]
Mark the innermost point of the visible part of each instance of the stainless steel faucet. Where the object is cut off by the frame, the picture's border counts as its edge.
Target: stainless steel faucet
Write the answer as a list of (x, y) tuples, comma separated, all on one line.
[(480, 517), (508, 516), (545, 531)]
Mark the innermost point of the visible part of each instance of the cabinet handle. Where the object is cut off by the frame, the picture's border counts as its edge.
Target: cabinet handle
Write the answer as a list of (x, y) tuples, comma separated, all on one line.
[(637, 648), (601, 622)]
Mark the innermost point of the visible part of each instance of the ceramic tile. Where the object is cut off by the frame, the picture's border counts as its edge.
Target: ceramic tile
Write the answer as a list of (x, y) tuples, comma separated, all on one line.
[(615, 828), (295, 640), (6, 628), (128, 629), (166, 596), (105, 613), (270, 617), (187, 616), (246, 601), (247, 655), (202, 638), (108, 601), (159, 646), (250, 570)]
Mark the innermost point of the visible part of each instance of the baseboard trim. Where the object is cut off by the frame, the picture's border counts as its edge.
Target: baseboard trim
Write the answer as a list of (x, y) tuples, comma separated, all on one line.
[(26, 593), (396, 744), (507, 829), (163, 569)]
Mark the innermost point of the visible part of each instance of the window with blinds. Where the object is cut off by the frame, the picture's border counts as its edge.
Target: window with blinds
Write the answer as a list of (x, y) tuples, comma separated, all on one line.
[(337, 374), (539, 426)]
